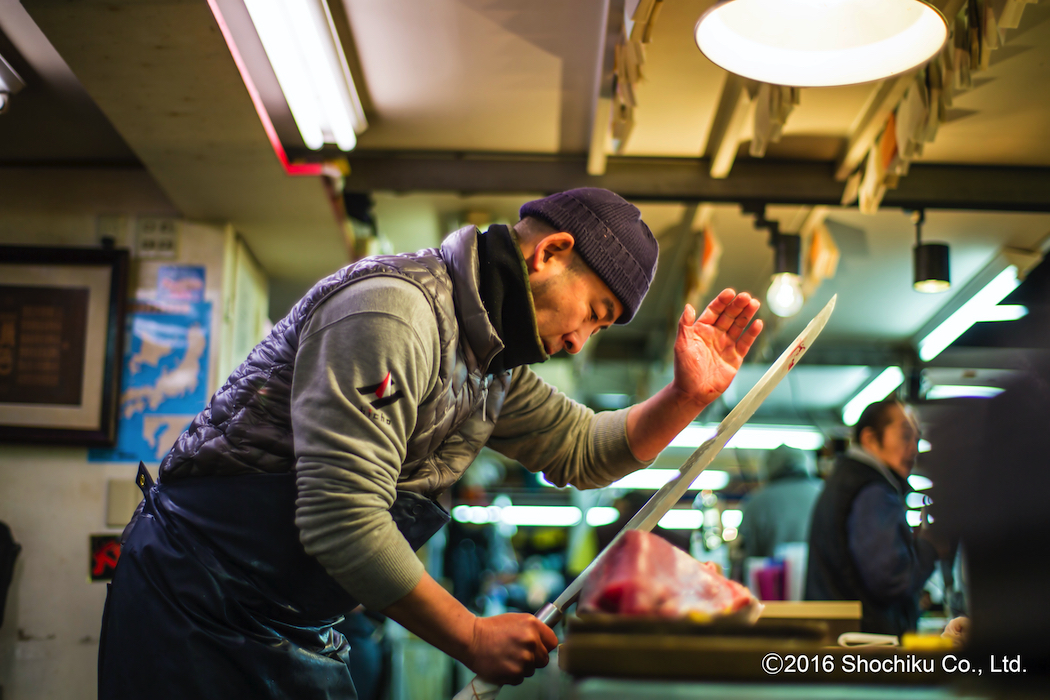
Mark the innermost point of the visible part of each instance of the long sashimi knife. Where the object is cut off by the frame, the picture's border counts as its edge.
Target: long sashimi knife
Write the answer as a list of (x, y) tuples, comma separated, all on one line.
[(657, 506)]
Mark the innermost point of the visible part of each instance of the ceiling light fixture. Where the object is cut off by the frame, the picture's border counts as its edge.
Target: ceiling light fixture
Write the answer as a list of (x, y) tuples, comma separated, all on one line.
[(732, 517), (298, 169), (653, 479), (10, 83), (602, 515), (523, 516), (979, 307), (681, 519), (785, 289), (820, 43), (750, 437), (1003, 312), (876, 390), (302, 45), (754, 437), (919, 482), (959, 391), (930, 260)]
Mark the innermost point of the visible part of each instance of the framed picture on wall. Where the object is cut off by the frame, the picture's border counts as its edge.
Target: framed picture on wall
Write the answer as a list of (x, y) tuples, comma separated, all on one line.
[(61, 344)]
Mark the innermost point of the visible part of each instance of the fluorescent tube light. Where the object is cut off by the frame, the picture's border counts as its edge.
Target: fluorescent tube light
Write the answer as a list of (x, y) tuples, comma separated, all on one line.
[(541, 515), (552, 516), (653, 479), (754, 437), (925, 446), (303, 48), (602, 515), (917, 500), (10, 83), (478, 515), (977, 308), (914, 518), (950, 391), (876, 390), (732, 518), (1003, 312), (681, 519), (919, 482)]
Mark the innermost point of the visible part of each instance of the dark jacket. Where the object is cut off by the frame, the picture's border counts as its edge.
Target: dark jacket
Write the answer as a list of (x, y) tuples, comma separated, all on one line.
[(861, 547)]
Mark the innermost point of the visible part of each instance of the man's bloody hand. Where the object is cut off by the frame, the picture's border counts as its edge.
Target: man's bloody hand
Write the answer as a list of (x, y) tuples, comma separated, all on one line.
[(709, 349), (506, 649)]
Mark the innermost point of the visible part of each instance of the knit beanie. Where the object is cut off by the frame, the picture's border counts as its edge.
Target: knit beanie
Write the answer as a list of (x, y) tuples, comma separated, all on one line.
[(610, 237)]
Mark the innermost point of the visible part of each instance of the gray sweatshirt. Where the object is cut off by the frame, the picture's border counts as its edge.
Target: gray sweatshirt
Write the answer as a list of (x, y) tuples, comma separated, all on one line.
[(349, 458)]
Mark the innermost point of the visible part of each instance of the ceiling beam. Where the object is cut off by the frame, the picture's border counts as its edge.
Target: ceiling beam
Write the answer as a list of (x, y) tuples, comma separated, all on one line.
[(884, 98), (870, 122), (1002, 188), (82, 190), (602, 108), (730, 119)]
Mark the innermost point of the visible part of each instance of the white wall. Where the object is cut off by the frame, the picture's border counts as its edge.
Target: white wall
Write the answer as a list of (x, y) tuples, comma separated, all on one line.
[(53, 498)]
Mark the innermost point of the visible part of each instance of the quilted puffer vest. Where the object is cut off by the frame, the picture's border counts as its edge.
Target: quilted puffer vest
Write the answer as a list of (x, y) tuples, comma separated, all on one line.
[(246, 427)]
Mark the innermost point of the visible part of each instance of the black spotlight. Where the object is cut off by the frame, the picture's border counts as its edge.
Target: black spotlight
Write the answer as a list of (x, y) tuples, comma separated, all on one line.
[(931, 260)]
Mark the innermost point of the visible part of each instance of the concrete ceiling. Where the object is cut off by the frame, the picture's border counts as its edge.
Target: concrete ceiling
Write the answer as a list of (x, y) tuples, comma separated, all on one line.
[(147, 92), (479, 75), (161, 74)]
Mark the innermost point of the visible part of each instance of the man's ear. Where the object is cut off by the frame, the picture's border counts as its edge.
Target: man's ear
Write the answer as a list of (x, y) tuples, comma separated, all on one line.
[(869, 437), (551, 249)]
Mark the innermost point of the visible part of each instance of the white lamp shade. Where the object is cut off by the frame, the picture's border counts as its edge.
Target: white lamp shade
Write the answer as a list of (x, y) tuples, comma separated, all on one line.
[(814, 43)]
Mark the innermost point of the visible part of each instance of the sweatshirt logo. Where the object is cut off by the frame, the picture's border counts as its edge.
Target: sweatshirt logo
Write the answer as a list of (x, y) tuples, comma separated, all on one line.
[(382, 392)]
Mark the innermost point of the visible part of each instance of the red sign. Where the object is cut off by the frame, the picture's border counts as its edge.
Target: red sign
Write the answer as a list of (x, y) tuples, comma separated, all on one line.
[(105, 552)]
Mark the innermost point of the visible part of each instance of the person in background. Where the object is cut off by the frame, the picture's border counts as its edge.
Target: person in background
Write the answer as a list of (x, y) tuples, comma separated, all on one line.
[(860, 545), (780, 511)]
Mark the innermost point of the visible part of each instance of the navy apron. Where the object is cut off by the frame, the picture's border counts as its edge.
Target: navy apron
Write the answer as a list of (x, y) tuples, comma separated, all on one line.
[(214, 596)]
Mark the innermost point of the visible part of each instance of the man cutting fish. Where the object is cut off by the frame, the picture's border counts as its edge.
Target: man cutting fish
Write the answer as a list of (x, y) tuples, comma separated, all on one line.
[(304, 486)]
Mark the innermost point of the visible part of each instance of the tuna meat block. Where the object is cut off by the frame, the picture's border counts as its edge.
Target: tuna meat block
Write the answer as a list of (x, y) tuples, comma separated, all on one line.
[(643, 574)]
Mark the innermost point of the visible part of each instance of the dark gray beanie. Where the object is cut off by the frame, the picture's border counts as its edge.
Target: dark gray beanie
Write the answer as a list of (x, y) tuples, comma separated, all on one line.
[(610, 237)]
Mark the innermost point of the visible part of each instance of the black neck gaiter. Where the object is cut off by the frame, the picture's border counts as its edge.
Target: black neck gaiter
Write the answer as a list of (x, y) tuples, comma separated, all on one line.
[(504, 289)]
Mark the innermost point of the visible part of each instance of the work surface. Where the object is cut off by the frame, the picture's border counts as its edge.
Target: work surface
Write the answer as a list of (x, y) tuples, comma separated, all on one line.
[(627, 689)]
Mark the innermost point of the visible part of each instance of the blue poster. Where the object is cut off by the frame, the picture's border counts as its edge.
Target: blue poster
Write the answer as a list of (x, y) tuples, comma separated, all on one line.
[(165, 382), (180, 283)]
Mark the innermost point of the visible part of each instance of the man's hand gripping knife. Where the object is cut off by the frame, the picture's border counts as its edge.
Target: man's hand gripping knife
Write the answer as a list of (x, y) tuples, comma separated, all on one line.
[(505, 648)]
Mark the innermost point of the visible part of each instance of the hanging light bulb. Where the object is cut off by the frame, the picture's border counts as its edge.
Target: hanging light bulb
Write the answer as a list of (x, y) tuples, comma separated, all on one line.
[(811, 43), (785, 292)]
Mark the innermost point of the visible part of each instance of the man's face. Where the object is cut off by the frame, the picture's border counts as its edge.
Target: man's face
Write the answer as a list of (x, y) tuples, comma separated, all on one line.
[(899, 446), (572, 303)]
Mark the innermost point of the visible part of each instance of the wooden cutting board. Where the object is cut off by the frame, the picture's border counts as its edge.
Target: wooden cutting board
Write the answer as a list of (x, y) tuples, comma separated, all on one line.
[(628, 647)]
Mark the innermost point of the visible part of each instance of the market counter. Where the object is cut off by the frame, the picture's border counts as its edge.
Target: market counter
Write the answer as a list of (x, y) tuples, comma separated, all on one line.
[(629, 689)]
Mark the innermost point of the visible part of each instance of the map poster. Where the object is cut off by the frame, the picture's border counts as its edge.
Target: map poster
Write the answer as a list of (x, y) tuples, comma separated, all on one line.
[(165, 381)]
